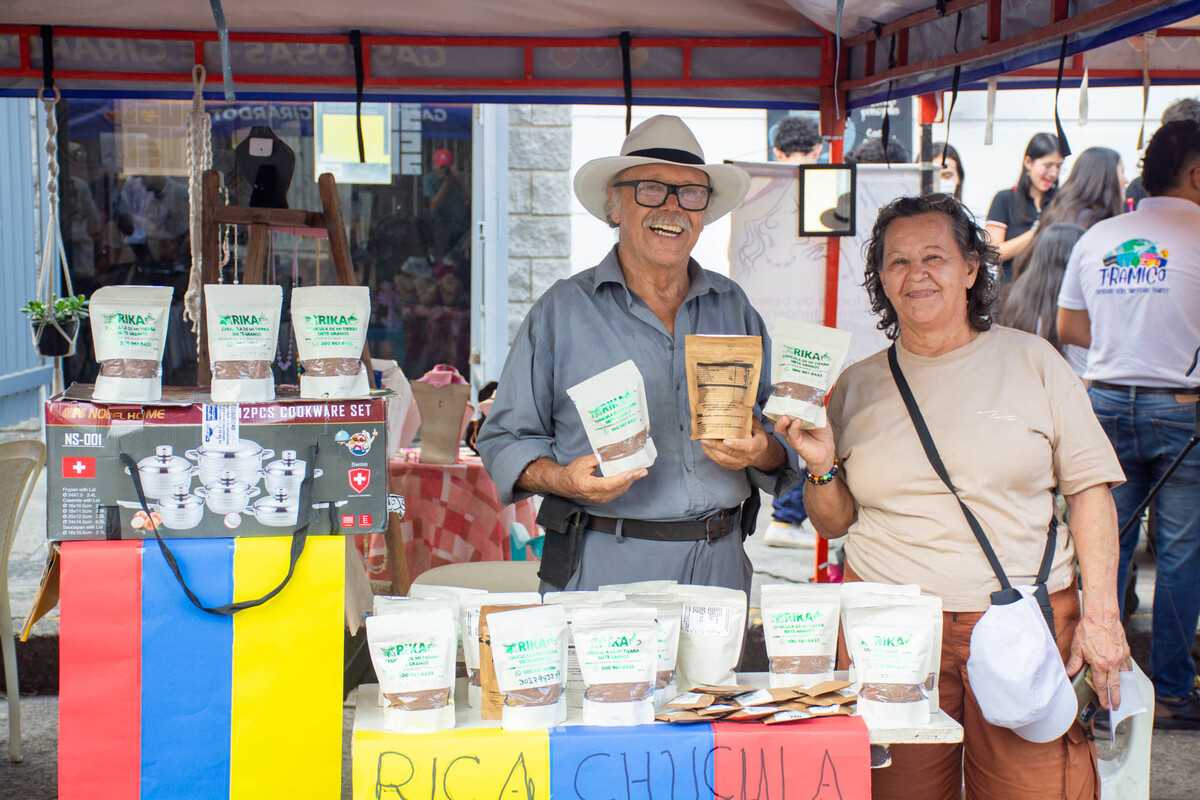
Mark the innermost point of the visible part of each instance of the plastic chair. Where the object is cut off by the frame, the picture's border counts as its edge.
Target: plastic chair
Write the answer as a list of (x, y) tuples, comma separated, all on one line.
[(20, 465), (1126, 776), (491, 576)]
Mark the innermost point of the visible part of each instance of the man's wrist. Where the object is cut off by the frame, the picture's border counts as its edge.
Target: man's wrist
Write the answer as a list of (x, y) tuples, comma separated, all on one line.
[(773, 457)]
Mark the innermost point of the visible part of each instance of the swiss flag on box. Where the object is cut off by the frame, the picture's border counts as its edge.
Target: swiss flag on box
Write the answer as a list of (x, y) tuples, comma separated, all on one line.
[(78, 467)]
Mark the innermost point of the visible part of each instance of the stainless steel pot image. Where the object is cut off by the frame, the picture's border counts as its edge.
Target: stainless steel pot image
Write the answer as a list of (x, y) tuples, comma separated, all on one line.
[(182, 510), (228, 494), (277, 510), (245, 462), (164, 472), (286, 474)]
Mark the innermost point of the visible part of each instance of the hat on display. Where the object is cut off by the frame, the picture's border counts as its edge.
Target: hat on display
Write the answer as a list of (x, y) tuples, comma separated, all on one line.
[(1017, 674), (442, 157), (662, 139), (837, 218)]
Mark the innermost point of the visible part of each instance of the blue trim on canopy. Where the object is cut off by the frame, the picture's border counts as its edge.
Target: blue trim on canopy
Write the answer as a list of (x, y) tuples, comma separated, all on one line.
[(1032, 58)]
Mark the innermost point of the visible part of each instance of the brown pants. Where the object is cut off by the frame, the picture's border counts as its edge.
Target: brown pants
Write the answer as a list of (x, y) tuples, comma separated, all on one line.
[(995, 763)]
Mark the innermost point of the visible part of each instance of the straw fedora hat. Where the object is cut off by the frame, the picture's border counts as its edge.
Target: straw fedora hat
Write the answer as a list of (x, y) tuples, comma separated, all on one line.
[(662, 139)]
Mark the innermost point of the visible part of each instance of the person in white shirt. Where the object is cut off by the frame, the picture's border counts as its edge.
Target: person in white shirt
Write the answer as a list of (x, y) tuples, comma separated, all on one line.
[(1132, 294)]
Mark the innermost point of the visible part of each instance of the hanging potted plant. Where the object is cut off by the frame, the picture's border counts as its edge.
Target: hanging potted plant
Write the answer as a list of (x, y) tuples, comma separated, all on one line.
[(56, 324)]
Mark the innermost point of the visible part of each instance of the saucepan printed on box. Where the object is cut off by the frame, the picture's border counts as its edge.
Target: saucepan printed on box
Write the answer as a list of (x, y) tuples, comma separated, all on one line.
[(331, 329), (722, 375), (243, 334), (612, 405), (617, 648), (129, 333), (806, 361), (412, 650)]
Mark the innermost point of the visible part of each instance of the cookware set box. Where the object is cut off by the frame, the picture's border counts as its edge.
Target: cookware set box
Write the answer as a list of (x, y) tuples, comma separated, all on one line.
[(214, 470)]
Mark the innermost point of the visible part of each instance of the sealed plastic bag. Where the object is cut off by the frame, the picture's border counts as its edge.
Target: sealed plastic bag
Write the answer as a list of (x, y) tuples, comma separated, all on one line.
[(800, 626), (413, 653), (529, 650), (617, 650)]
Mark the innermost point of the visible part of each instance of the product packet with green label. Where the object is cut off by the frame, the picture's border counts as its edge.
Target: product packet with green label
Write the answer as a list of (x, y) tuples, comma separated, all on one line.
[(616, 418), (529, 651), (617, 648), (243, 334), (800, 626), (570, 601), (807, 360), (129, 332), (331, 329), (892, 647), (387, 605), (412, 649), (668, 616)]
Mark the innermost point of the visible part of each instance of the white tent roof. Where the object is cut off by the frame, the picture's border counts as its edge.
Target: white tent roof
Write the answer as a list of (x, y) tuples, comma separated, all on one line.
[(734, 52)]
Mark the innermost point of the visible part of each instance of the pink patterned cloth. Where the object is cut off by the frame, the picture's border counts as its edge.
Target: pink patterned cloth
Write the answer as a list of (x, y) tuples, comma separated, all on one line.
[(452, 514), (442, 375)]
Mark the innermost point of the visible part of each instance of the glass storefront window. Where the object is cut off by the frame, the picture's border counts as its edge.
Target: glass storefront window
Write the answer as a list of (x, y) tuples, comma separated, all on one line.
[(408, 212)]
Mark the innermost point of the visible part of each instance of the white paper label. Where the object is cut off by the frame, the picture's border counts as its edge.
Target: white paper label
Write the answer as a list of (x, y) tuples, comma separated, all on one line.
[(706, 620), (221, 425), (761, 697), (261, 147), (685, 699)]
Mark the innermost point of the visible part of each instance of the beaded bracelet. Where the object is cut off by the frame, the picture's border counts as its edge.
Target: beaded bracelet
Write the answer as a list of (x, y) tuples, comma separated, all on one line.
[(821, 480)]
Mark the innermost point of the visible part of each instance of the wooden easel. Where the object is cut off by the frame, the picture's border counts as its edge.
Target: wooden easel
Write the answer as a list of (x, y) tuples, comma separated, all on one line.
[(214, 214)]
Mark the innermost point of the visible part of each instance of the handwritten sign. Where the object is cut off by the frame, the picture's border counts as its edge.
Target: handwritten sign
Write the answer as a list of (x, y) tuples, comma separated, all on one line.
[(659, 762), (824, 759), (465, 763)]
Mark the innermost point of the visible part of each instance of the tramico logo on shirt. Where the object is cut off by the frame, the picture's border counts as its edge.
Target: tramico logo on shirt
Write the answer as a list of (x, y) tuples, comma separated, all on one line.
[(1135, 263)]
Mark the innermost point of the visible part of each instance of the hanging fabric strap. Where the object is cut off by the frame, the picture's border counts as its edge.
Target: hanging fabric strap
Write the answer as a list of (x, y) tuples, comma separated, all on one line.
[(1007, 593), (199, 160), (626, 39), (47, 35), (838, 13), (1064, 147), (223, 39), (299, 537), (359, 81), (1147, 41), (1083, 93), (950, 111)]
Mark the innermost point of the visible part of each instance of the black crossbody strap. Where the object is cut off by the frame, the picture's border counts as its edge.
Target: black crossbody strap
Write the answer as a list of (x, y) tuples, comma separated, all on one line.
[(914, 412), (1007, 593)]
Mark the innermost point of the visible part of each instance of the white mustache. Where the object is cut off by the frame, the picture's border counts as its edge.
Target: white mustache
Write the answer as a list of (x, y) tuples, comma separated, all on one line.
[(669, 218)]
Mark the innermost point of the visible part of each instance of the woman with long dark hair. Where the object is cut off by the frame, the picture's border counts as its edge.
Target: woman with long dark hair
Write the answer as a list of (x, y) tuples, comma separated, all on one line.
[(1094, 191), (948, 178), (1032, 302), (1014, 212)]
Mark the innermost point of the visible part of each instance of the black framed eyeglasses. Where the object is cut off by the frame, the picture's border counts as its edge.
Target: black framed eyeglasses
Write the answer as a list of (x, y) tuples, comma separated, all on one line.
[(652, 194)]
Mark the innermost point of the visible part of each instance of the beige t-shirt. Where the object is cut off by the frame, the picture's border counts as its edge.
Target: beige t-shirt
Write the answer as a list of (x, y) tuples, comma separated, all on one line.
[(1011, 421)]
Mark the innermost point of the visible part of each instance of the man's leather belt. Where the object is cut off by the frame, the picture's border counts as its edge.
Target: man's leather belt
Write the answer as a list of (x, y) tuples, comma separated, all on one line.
[(1116, 387), (708, 529)]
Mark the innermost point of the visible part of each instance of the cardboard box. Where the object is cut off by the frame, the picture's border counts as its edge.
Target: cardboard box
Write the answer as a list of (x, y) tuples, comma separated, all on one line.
[(90, 494)]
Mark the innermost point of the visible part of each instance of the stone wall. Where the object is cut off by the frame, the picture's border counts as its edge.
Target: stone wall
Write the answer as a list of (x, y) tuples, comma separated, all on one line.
[(539, 204)]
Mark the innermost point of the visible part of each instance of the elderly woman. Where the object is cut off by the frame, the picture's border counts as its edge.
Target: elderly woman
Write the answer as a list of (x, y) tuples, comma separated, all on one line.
[(1012, 424)]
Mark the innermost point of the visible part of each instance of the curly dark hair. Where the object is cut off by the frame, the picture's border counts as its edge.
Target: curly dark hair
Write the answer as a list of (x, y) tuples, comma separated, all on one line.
[(972, 241), (1170, 151)]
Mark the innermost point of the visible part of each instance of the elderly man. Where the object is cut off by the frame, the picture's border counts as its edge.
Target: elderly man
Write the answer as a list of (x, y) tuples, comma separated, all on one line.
[(683, 518)]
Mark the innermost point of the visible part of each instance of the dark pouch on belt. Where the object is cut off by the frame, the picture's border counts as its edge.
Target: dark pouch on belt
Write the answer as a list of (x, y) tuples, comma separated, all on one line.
[(564, 523)]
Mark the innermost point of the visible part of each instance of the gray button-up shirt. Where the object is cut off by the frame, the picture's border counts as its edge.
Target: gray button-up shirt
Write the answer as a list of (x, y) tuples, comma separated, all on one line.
[(586, 324)]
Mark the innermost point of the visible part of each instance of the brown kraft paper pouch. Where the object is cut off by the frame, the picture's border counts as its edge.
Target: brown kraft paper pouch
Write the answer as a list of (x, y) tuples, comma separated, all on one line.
[(722, 374), (442, 409)]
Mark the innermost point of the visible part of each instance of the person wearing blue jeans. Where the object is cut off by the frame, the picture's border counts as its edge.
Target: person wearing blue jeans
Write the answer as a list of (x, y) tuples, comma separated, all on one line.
[(1131, 293)]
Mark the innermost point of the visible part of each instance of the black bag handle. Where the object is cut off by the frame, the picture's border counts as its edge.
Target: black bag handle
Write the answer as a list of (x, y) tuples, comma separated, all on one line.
[(1007, 593), (299, 537)]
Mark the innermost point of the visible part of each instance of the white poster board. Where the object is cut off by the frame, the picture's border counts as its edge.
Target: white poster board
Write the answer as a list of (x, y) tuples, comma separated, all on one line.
[(784, 275)]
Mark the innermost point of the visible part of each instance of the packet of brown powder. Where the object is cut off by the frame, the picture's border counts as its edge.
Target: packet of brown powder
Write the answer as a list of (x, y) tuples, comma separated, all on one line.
[(722, 374)]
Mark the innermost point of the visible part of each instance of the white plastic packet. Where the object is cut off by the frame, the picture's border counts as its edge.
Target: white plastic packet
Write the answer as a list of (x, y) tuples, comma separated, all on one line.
[(807, 360), (388, 605), (617, 649), (668, 616), (641, 587), (470, 633), (612, 406), (453, 595), (413, 654), (710, 635), (529, 650), (331, 329), (800, 626), (243, 334), (892, 648), (861, 594), (570, 601), (129, 332)]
